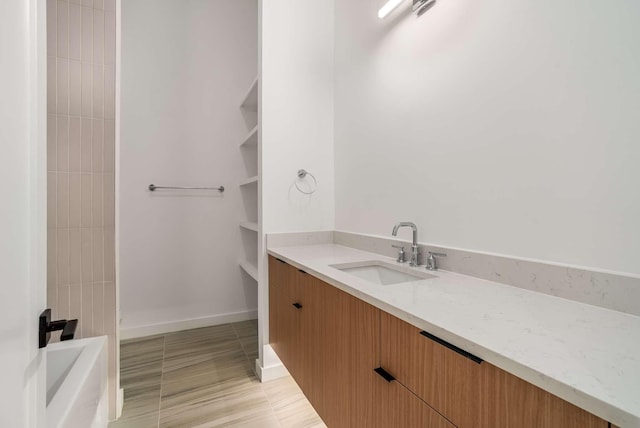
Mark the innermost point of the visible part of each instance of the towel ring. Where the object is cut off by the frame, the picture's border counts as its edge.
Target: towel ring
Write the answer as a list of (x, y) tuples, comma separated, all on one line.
[(303, 174)]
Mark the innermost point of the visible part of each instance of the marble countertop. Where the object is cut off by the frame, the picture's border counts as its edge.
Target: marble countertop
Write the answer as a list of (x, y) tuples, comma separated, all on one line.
[(586, 355)]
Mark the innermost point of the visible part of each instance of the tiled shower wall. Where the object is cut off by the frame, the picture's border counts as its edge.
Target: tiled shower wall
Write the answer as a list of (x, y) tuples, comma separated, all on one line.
[(81, 39)]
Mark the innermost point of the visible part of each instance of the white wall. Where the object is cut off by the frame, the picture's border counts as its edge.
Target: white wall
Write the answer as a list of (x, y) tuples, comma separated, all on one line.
[(186, 64), (23, 211), (297, 113), (296, 117), (507, 126)]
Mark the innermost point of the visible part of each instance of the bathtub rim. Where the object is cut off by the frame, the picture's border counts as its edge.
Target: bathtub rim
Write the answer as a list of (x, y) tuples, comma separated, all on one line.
[(60, 405)]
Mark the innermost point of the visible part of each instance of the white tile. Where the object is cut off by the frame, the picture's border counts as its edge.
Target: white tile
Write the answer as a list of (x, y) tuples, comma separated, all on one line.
[(98, 37), (110, 5), (75, 154), (87, 34), (110, 37), (62, 143), (98, 4), (85, 144), (75, 31), (52, 28), (87, 3), (62, 87), (98, 91), (63, 29), (52, 83)]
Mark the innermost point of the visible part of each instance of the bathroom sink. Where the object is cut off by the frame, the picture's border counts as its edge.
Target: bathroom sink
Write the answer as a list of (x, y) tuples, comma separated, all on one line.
[(382, 273)]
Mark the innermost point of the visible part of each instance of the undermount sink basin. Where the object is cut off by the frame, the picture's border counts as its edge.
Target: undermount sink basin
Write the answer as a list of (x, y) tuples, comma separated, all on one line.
[(382, 273)]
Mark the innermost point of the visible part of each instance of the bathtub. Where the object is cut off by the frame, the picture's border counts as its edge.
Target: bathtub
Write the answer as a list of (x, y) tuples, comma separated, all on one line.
[(77, 384)]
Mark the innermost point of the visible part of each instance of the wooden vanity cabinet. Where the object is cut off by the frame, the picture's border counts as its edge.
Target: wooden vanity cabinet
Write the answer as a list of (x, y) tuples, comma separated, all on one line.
[(509, 401), (331, 342), (448, 380)]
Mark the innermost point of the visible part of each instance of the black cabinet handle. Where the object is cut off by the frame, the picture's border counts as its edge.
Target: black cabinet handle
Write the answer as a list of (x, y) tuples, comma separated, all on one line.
[(300, 270), (384, 374), (297, 305), (452, 347)]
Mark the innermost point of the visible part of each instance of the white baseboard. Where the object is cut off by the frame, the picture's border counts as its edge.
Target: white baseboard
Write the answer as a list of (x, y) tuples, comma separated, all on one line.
[(119, 402), (271, 368), (265, 374), (187, 324)]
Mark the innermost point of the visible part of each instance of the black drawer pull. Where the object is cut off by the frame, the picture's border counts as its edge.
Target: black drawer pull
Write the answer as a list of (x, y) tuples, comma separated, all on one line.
[(452, 347), (297, 305), (385, 374)]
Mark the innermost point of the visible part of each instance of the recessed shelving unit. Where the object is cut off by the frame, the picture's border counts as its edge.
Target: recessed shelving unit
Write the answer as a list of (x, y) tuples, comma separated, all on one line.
[(252, 139), (249, 268), (250, 226), (249, 180), (250, 100)]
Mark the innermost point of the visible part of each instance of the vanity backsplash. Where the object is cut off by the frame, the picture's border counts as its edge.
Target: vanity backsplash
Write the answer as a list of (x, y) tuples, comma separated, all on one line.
[(606, 290)]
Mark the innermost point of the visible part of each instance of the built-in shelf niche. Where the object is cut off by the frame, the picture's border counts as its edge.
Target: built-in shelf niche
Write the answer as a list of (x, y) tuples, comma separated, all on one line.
[(251, 140), (249, 225), (248, 181), (249, 187), (249, 268)]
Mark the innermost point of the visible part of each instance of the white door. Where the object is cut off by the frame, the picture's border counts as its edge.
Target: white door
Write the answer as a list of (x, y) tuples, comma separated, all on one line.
[(22, 211)]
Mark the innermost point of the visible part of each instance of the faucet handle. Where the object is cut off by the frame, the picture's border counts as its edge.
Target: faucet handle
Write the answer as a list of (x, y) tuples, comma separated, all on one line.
[(431, 260), (400, 253)]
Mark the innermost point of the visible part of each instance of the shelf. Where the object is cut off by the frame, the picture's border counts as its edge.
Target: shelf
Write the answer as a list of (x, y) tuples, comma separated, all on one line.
[(249, 181), (252, 139), (249, 269), (250, 101), (249, 225)]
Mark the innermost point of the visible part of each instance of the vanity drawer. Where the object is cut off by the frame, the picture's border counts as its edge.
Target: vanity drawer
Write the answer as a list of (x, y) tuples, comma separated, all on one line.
[(435, 371)]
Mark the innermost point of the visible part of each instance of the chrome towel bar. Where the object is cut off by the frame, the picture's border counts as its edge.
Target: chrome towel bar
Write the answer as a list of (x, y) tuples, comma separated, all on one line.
[(153, 187)]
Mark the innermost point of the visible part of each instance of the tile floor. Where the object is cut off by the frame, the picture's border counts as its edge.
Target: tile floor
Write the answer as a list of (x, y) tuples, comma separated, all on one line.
[(205, 378)]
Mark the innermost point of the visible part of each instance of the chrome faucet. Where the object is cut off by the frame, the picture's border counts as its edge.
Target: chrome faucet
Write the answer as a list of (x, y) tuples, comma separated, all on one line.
[(414, 246)]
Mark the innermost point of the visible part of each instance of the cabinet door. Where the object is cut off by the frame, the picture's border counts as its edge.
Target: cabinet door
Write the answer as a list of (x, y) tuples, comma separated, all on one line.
[(285, 318), (312, 336), (351, 349), (509, 401), (397, 407), (444, 378)]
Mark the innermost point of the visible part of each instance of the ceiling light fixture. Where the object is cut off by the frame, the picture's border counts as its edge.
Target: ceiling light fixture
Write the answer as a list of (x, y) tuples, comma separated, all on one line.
[(419, 7)]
